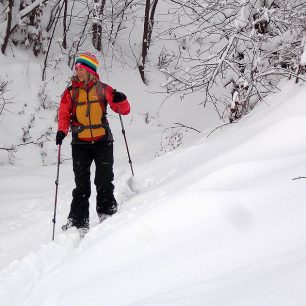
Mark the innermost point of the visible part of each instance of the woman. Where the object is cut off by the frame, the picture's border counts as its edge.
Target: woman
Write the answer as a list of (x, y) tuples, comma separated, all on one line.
[(83, 108)]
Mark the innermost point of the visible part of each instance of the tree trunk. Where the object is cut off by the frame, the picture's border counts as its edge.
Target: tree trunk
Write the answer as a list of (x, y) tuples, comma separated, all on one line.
[(154, 5), (50, 42), (65, 25), (147, 35), (97, 27), (8, 26), (145, 42)]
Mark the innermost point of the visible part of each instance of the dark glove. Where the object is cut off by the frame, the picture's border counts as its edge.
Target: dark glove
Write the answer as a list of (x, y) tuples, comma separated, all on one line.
[(60, 135), (118, 96)]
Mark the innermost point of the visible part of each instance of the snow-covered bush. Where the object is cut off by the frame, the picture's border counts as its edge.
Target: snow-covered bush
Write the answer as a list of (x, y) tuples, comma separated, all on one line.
[(46, 102), (172, 137), (235, 52), (20, 23), (5, 100)]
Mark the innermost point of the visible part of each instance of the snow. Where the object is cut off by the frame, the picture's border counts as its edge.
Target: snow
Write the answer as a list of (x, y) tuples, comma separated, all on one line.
[(219, 221), (29, 8), (303, 57), (243, 19)]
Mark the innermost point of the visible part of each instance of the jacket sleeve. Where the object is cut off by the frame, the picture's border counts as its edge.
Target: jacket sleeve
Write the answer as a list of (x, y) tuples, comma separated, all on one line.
[(64, 112), (122, 107)]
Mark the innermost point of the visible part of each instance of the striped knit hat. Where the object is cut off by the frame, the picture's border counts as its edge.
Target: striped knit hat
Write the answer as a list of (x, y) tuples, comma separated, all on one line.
[(87, 61)]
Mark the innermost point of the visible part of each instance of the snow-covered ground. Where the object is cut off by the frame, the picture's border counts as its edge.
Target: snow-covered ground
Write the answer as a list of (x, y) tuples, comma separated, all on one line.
[(218, 221)]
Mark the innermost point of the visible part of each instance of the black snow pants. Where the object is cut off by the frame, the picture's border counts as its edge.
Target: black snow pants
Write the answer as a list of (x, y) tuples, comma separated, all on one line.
[(83, 155)]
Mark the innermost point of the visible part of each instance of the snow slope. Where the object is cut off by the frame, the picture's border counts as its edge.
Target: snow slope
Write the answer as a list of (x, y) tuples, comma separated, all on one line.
[(218, 222)]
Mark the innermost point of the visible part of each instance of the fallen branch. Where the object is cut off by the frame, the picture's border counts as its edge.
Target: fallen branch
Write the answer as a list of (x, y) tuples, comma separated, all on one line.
[(188, 127), (299, 177), (218, 127)]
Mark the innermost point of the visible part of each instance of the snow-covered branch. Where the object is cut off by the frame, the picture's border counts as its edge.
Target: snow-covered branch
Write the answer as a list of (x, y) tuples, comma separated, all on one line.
[(250, 45), (27, 10)]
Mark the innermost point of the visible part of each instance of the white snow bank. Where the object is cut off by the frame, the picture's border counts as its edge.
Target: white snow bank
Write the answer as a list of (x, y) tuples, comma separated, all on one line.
[(218, 223)]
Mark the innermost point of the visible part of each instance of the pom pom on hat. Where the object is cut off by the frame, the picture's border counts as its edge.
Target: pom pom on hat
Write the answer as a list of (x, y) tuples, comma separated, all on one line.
[(87, 61)]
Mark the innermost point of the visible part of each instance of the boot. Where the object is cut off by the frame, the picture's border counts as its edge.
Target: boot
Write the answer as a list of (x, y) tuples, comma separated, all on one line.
[(109, 211), (70, 223), (112, 209)]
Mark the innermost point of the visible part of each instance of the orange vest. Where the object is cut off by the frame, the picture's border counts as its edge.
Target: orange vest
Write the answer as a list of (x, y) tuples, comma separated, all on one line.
[(89, 112)]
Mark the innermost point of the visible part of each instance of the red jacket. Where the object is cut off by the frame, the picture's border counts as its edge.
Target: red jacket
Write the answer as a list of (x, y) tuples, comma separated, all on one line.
[(65, 112)]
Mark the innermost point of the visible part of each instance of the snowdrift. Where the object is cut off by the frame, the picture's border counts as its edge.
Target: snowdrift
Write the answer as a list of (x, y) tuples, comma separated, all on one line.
[(219, 222)]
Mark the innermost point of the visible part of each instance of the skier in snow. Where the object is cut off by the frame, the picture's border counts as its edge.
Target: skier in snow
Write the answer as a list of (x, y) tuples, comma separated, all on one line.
[(83, 108)]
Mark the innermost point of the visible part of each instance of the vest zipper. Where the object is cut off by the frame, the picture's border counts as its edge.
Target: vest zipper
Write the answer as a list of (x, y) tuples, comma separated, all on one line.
[(92, 141)]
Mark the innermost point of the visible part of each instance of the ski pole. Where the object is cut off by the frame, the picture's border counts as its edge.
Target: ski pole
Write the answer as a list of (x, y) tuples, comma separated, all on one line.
[(56, 189), (126, 144)]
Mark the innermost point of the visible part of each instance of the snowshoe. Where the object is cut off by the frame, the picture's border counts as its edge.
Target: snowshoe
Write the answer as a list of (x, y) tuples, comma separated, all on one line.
[(68, 225), (83, 231), (103, 217)]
